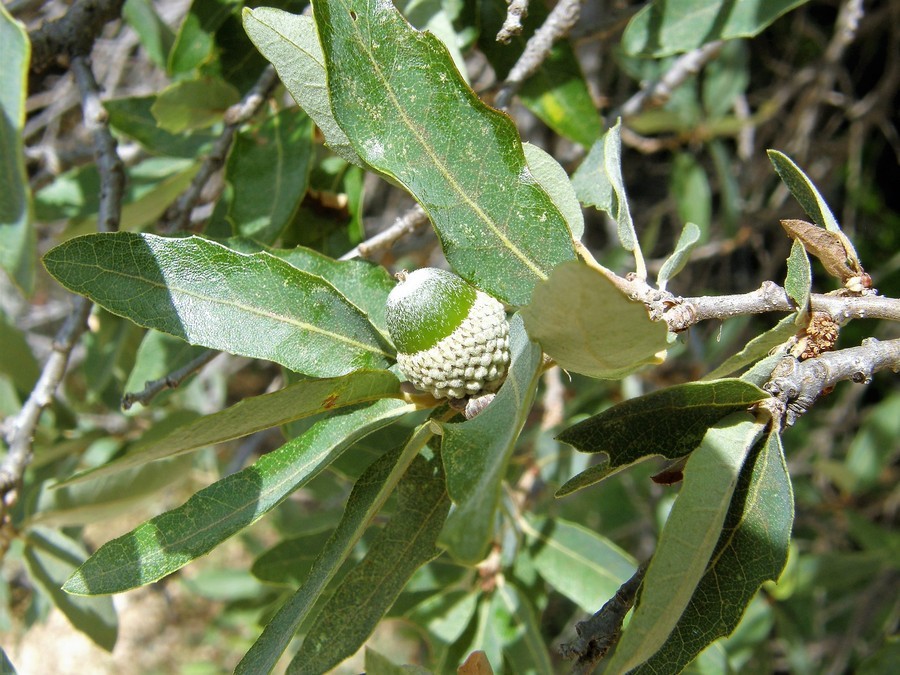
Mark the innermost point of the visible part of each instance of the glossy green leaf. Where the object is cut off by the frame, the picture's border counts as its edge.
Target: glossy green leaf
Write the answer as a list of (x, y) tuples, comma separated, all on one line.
[(690, 235), (18, 244), (406, 543), (169, 541), (268, 170), (688, 539), (798, 282), (195, 40), (582, 565), (671, 422), (477, 451), (251, 305), (303, 399), (804, 191), (155, 36), (666, 27), (368, 496), (363, 283), (51, 556), (132, 116), (553, 178), (499, 229), (753, 548), (516, 623), (588, 326), (193, 104), (290, 42), (556, 92), (756, 348)]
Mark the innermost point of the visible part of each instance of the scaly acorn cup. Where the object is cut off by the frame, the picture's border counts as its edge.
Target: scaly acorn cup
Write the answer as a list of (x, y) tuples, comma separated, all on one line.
[(452, 340)]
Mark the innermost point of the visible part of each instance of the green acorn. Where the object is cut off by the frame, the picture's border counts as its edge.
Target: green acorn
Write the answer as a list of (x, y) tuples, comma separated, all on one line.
[(452, 340)]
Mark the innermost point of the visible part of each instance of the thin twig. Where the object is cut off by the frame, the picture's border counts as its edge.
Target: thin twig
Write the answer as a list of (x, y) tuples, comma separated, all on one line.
[(177, 216), (170, 381), (799, 383), (558, 24), (512, 25), (56, 42), (112, 177), (658, 92), (599, 634), (408, 222)]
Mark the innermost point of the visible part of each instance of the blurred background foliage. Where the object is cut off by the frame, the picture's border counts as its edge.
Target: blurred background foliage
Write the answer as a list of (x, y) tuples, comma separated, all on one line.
[(814, 85)]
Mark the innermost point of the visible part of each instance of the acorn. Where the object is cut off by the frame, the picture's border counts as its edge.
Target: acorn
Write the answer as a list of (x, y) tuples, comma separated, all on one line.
[(452, 339)]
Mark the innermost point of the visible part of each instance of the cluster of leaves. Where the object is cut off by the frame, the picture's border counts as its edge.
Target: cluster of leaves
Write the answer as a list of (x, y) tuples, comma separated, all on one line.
[(259, 283)]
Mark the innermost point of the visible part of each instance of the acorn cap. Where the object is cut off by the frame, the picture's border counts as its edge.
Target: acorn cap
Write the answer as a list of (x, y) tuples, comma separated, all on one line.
[(452, 340), (427, 306)]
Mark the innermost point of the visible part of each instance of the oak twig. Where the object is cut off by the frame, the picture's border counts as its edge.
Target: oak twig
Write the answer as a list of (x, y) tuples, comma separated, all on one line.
[(408, 222), (56, 42), (599, 634), (512, 25), (658, 92), (558, 24), (112, 184), (177, 216), (799, 383), (170, 381)]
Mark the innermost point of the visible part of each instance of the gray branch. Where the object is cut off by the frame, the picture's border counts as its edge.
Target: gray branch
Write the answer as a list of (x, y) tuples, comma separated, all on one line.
[(682, 313), (512, 25), (558, 24), (798, 384), (658, 92), (410, 221), (73, 34), (177, 216), (170, 381), (112, 182)]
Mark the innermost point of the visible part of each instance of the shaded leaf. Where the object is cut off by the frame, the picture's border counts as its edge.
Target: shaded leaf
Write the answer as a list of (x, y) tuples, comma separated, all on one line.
[(753, 548), (251, 305), (290, 42), (159, 355), (18, 244), (666, 27), (690, 235), (51, 556), (169, 541), (155, 36), (369, 494), (268, 170), (289, 561), (582, 565), (671, 422), (131, 116), (499, 229), (756, 348), (588, 326), (691, 190), (477, 451), (687, 542), (518, 628), (296, 401), (193, 104), (195, 40), (553, 178), (446, 614), (406, 543), (17, 361), (798, 282), (378, 664)]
